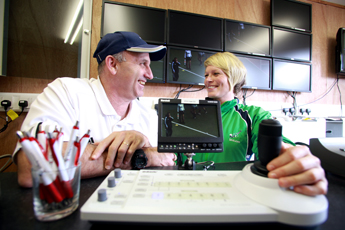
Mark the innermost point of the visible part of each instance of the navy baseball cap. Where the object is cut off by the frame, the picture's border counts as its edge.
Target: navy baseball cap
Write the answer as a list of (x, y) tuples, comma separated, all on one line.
[(119, 41)]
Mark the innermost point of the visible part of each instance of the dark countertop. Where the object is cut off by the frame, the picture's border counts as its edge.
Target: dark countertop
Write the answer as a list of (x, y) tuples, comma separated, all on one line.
[(16, 210)]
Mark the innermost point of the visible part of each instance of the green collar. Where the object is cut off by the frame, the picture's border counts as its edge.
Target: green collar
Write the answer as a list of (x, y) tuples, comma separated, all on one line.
[(226, 106)]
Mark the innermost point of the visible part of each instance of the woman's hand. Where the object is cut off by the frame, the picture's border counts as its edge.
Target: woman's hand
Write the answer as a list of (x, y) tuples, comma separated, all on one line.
[(296, 167)]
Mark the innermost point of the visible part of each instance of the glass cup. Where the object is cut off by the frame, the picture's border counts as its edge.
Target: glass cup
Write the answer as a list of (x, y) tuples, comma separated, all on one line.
[(55, 193)]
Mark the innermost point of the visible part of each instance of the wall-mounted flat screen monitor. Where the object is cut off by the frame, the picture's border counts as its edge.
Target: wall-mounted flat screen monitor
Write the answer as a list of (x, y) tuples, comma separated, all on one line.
[(189, 126), (340, 52), (259, 71), (291, 45), (247, 38), (195, 31), (149, 23), (291, 14), (291, 76), (186, 66)]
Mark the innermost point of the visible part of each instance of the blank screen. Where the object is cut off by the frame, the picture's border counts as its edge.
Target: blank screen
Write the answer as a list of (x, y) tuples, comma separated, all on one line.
[(148, 23), (291, 45), (194, 30), (291, 14), (291, 76), (247, 38), (258, 72)]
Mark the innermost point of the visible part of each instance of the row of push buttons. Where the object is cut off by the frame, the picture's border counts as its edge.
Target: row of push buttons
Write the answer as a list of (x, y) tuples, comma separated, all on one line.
[(102, 193), (202, 147)]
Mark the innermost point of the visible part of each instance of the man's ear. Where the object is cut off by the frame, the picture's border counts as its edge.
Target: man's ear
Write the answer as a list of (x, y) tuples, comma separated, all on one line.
[(111, 64)]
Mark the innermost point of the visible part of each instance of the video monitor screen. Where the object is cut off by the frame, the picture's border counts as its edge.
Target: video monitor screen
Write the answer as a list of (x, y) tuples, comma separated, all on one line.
[(195, 31), (291, 14), (291, 45), (259, 71), (149, 23), (186, 66), (247, 38), (189, 126), (291, 76)]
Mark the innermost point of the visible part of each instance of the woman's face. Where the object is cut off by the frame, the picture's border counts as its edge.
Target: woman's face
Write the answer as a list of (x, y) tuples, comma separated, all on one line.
[(217, 84)]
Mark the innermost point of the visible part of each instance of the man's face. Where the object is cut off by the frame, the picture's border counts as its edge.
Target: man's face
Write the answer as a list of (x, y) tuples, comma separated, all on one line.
[(133, 73)]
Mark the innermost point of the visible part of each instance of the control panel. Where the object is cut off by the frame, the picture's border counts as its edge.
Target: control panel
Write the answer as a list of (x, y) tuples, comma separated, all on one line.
[(191, 147), (191, 196)]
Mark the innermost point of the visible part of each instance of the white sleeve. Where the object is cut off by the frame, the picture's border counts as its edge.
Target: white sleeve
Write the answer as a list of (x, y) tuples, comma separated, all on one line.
[(53, 107)]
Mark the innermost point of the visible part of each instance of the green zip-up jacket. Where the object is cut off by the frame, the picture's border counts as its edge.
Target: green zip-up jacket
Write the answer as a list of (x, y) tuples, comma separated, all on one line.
[(240, 129)]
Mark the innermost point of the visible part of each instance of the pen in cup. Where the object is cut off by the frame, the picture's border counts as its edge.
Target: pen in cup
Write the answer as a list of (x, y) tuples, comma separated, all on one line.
[(69, 149), (55, 147), (38, 162)]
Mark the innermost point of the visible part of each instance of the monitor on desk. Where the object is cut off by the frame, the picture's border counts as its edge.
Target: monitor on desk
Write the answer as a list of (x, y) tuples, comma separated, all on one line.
[(189, 126)]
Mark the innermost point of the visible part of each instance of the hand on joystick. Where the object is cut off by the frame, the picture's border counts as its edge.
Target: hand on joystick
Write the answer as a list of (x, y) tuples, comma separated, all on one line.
[(269, 145)]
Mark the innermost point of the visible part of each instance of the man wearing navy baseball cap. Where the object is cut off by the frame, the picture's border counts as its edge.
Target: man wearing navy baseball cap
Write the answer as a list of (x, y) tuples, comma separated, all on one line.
[(124, 67), (107, 105)]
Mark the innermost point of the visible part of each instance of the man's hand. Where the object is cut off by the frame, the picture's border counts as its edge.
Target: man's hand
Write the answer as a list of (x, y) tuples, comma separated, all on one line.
[(297, 167), (120, 147), (155, 158)]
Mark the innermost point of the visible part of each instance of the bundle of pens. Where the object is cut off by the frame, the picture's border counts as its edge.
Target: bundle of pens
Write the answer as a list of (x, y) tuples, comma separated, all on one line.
[(56, 171)]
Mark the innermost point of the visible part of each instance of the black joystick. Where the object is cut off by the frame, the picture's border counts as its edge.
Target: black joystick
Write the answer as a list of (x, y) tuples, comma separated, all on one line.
[(269, 145)]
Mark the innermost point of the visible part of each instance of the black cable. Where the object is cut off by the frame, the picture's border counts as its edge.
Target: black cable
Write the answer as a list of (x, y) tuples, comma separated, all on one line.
[(8, 163), (7, 122), (341, 103), (186, 90), (245, 95), (293, 95)]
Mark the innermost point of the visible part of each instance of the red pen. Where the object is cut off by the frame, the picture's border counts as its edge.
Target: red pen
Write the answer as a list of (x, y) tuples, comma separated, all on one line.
[(83, 142), (76, 152), (42, 139), (72, 163), (63, 175), (69, 149)]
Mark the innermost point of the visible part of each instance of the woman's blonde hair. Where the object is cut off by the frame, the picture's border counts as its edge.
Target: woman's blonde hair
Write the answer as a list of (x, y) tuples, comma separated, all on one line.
[(231, 66)]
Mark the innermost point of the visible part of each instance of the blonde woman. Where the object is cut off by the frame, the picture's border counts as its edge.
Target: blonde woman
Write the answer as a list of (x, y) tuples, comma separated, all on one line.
[(296, 166)]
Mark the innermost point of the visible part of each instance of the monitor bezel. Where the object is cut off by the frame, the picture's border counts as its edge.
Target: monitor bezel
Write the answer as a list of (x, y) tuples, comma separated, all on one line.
[(188, 140), (269, 59), (340, 52), (273, 13), (250, 24), (292, 89), (195, 46), (292, 32), (138, 7)]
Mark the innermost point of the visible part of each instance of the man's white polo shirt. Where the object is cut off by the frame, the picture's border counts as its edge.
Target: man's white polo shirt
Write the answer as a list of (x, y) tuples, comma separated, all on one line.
[(67, 100)]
